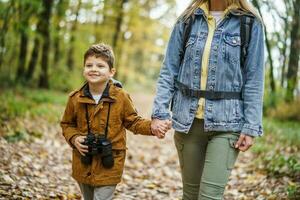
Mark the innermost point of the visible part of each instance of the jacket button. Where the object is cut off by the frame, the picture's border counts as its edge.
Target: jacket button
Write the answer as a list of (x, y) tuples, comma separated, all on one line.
[(211, 87), (234, 41)]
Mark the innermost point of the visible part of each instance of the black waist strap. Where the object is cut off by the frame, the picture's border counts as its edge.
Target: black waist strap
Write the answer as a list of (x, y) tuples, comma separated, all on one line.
[(211, 95)]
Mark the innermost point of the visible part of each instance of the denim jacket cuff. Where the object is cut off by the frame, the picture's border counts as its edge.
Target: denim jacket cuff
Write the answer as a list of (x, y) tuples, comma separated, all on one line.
[(161, 116), (252, 130)]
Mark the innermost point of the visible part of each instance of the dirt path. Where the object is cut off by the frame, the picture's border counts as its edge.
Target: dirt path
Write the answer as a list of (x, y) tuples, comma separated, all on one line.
[(41, 169)]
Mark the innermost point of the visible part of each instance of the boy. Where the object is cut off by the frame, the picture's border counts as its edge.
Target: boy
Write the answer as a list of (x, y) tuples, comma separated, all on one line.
[(94, 124)]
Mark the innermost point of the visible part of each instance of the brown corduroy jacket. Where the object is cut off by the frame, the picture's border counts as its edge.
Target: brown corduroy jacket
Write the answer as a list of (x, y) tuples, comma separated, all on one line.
[(122, 116)]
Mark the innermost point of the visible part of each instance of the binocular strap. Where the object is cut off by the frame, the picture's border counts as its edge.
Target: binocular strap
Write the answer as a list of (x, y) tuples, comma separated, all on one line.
[(88, 123)]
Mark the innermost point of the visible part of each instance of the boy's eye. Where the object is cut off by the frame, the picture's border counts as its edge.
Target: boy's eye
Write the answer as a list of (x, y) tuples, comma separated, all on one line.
[(100, 66), (88, 65)]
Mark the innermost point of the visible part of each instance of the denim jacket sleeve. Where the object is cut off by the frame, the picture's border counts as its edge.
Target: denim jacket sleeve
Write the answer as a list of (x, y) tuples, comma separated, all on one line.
[(168, 72), (254, 82)]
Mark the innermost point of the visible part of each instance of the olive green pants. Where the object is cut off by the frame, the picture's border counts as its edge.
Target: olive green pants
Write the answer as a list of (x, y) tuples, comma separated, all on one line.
[(206, 160)]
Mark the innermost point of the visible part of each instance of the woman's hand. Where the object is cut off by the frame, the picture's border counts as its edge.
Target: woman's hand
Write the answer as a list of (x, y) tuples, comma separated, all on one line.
[(244, 142), (79, 146)]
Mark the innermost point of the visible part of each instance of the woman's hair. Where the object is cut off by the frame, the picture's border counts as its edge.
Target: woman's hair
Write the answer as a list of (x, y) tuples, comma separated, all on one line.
[(244, 5)]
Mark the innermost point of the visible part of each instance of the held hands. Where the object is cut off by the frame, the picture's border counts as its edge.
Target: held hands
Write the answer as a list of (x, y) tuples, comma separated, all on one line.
[(160, 127), (79, 146), (244, 142)]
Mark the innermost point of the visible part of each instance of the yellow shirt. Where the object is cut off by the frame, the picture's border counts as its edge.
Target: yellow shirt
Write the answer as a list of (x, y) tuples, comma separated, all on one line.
[(211, 22)]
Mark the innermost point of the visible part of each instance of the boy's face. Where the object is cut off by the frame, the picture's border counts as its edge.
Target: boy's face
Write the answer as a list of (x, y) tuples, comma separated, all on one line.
[(96, 70)]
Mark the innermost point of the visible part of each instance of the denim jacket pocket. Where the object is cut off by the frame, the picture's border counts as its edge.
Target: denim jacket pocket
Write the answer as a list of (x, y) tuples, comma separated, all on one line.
[(231, 47)]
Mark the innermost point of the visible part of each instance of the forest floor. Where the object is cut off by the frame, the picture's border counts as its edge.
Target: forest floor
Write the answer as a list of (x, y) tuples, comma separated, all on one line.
[(40, 167)]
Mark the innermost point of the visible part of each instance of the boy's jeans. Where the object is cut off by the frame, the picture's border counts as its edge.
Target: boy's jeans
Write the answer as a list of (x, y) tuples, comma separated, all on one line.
[(97, 193), (206, 160)]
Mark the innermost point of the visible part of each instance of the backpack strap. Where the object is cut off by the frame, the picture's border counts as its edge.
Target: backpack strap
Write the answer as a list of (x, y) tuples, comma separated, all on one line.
[(188, 23), (245, 31)]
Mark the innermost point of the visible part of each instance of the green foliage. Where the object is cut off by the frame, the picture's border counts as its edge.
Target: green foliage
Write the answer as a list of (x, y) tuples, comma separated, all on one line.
[(278, 151), (16, 136), (20, 102), (282, 165), (294, 191), (286, 111), (12, 105), (97, 22), (271, 100)]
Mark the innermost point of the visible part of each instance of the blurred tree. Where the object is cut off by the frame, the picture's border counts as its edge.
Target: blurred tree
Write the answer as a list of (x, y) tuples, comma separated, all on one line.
[(132, 28), (70, 56), (5, 13), (293, 66), (269, 50), (25, 10), (45, 34), (58, 21)]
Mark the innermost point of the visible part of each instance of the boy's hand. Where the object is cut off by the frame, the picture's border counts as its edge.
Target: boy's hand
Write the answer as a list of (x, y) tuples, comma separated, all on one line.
[(79, 146), (160, 127)]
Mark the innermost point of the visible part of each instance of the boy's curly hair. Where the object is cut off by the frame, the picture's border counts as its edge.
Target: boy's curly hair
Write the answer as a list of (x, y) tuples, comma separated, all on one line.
[(103, 51)]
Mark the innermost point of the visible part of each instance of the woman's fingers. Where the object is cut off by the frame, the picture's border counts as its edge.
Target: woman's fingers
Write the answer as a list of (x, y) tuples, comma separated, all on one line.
[(244, 142), (163, 130), (248, 142), (240, 140)]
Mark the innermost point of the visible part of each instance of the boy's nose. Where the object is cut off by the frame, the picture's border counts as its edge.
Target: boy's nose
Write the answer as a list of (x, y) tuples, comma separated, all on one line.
[(94, 67)]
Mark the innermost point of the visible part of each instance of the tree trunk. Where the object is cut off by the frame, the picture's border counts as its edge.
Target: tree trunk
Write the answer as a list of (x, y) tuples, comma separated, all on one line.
[(46, 15), (22, 57), (6, 19), (56, 45), (60, 13), (119, 21), (268, 45), (24, 26), (70, 61), (33, 60), (116, 35), (293, 66), (284, 48)]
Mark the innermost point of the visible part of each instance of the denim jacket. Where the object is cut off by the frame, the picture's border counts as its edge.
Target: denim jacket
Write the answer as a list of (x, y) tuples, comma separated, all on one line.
[(224, 74)]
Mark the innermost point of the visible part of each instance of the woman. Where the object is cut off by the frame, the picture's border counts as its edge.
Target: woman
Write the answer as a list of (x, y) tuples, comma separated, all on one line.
[(214, 80)]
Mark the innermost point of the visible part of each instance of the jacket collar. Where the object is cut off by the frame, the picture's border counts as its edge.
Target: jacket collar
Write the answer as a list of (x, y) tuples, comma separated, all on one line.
[(109, 93)]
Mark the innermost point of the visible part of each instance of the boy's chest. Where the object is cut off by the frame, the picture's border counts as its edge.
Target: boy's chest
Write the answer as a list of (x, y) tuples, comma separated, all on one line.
[(97, 116)]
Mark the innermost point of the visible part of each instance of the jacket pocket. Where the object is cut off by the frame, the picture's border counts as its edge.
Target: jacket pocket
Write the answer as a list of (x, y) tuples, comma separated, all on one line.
[(231, 47)]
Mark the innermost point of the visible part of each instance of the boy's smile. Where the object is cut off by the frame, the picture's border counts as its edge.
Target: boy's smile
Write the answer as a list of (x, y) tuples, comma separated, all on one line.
[(96, 70)]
